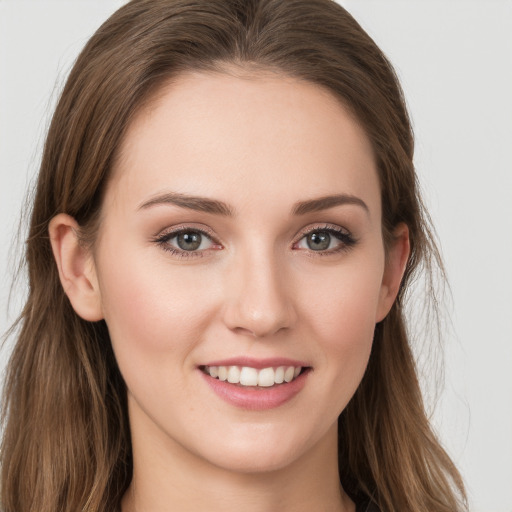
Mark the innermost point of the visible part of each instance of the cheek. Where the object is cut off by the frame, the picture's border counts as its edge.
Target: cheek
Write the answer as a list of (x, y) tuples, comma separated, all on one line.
[(341, 313), (344, 302), (152, 308)]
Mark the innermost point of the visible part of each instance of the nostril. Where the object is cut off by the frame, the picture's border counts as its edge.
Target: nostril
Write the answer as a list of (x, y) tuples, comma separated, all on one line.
[(245, 332)]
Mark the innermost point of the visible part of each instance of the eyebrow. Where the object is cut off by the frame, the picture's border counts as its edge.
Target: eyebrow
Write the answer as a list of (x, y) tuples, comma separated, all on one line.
[(200, 204), (214, 206), (326, 202)]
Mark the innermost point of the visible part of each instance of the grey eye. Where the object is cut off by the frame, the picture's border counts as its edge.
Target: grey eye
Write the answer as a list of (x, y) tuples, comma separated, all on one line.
[(189, 240), (318, 240)]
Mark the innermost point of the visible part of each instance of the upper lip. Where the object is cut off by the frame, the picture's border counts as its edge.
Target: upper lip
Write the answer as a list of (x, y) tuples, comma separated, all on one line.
[(257, 363)]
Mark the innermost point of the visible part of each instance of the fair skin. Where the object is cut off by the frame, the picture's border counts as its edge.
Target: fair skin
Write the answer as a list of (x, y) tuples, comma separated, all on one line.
[(264, 276)]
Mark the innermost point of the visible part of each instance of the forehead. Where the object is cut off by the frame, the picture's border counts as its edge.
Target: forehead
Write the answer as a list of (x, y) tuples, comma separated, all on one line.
[(245, 137)]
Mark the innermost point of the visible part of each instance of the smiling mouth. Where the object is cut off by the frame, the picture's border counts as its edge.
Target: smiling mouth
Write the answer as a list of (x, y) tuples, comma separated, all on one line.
[(245, 376)]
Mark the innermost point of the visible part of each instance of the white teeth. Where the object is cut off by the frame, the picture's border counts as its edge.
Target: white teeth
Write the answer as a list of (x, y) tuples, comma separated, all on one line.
[(234, 374), (247, 376), (223, 372), (266, 377), (288, 374)]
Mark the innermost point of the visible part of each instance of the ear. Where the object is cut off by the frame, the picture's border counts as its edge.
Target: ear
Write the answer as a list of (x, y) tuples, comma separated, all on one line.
[(396, 261), (77, 270)]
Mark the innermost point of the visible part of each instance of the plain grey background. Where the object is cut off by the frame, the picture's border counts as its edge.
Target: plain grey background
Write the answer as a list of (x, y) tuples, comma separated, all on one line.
[(454, 58)]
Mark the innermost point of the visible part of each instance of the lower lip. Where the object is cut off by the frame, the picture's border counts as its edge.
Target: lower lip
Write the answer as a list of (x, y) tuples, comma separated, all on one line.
[(256, 398)]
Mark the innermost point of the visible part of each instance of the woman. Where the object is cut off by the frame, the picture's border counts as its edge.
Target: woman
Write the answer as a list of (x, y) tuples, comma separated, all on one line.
[(225, 226)]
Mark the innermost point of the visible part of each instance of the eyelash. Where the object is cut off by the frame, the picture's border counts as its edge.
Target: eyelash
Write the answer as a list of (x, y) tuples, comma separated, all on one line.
[(341, 234), (346, 239), (163, 239)]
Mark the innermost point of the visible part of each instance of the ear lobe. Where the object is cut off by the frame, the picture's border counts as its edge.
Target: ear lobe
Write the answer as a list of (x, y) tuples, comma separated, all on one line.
[(76, 267), (396, 261)]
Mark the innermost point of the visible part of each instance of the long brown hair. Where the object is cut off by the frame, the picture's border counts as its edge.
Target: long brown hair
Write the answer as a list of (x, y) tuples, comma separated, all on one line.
[(66, 442)]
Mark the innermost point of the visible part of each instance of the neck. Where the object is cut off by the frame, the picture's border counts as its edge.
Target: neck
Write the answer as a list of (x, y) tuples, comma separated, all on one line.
[(175, 479)]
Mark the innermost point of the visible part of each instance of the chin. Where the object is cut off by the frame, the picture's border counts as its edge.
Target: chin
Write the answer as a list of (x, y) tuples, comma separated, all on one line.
[(265, 450), (258, 462)]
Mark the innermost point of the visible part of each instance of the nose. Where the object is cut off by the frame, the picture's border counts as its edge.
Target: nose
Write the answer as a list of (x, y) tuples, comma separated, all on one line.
[(259, 297)]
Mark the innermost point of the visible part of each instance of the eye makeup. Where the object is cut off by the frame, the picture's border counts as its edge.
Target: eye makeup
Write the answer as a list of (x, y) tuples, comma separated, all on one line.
[(187, 241), (192, 241), (324, 240)]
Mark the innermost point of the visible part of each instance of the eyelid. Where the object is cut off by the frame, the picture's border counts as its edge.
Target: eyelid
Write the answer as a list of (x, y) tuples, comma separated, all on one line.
[(322, 226), (180, 228), (164, 236), (345, 237)]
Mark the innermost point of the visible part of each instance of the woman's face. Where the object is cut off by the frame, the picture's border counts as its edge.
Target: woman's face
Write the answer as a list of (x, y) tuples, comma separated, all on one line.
[(241, 234)]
